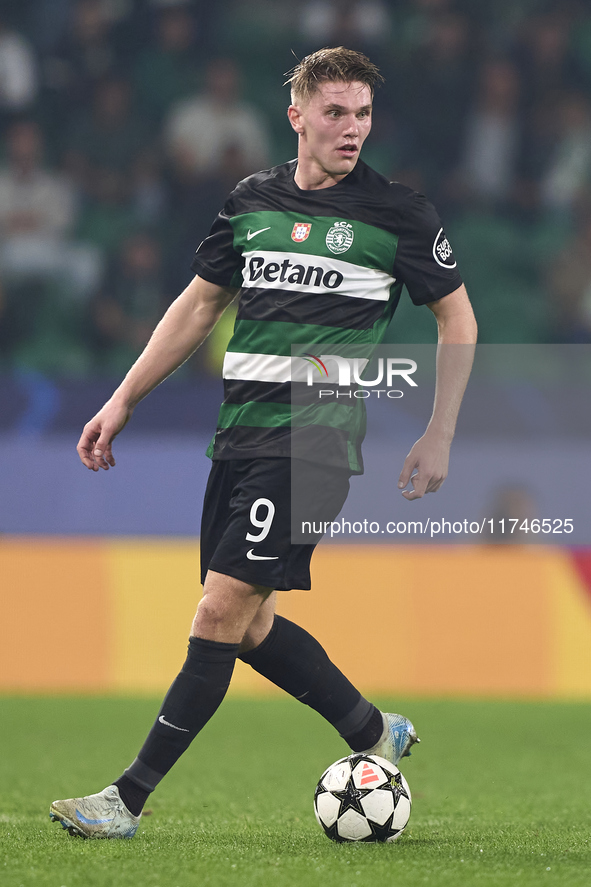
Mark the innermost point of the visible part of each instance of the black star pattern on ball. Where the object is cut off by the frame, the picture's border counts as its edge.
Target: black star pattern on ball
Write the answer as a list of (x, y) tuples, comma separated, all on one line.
[(350, 798), (380, 832), (398, 790)]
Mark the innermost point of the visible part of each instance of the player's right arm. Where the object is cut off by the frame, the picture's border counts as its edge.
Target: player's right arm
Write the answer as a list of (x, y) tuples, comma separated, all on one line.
[(181, 331)]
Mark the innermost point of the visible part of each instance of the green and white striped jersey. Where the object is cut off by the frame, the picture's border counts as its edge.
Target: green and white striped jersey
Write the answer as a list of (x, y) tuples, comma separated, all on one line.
[(314, 268)]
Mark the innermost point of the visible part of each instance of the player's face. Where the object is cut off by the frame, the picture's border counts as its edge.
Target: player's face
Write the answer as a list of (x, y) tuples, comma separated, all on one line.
[(333, 125)]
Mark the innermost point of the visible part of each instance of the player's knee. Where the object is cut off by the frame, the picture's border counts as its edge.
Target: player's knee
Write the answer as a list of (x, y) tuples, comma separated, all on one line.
[(216, 616), (211, 611)]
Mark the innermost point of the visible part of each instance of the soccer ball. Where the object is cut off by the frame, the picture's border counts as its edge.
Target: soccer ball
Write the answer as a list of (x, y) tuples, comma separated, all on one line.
[(362, 798)]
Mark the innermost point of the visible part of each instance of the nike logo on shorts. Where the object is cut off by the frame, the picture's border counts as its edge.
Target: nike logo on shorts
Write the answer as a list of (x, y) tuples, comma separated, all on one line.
[(259, 557), (249, 236), (166, 723)]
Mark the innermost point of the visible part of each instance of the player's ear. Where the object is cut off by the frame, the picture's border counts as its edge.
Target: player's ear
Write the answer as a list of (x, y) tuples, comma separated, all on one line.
[(295, 118)]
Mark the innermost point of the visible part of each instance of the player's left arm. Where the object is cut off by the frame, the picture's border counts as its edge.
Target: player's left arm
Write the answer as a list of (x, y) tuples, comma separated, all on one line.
[(429, 457)]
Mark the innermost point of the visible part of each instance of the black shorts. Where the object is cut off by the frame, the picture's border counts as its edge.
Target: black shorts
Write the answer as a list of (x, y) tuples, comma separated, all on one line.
[(246, 528)]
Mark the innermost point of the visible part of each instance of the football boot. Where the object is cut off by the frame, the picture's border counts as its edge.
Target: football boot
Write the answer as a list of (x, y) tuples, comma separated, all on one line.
[(103, 815), (397, 739)]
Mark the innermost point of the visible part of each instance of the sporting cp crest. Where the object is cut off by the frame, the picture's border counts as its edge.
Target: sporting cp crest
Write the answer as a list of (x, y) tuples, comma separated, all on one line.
[(340, 237), (300, 231)]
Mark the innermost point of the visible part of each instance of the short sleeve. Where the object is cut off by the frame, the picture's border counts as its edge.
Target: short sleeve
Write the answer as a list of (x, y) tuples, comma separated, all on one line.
[(216, 260), (424, 260)]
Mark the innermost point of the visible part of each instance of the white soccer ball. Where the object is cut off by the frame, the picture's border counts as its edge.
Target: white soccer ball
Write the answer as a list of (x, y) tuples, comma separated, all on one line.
[(362, 798)]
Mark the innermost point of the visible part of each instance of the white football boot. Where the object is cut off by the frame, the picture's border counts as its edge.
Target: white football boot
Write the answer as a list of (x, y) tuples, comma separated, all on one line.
[(396, 740), (103, 815)]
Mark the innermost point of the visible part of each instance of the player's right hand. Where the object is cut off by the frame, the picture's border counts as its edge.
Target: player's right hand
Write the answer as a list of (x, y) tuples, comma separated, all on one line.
[(95, 444)]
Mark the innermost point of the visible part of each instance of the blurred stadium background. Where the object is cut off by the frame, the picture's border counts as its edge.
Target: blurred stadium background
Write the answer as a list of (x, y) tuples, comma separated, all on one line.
[(124, 124)]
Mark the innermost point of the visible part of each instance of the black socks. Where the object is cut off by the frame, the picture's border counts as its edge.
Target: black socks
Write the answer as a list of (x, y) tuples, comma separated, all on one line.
[(294, 660), (290, 658), (131, 794), (369, 735), (192, 699)]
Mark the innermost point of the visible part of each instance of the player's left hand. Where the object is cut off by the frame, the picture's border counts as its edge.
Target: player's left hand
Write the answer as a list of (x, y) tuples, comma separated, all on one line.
[(430, 457)]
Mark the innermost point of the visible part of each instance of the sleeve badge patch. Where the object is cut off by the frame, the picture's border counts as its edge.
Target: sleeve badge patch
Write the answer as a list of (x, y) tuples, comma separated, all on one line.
[(442, 252)]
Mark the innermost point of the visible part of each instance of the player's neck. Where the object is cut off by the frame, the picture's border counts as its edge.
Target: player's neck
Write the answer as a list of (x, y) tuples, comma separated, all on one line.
[(310, 176)]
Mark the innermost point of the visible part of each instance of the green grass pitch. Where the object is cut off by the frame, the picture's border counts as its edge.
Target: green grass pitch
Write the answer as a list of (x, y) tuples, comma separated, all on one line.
[(500, 797)]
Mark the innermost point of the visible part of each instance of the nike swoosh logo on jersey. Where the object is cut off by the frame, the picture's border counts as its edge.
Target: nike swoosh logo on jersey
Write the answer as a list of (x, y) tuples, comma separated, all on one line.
[(249, 236), (166, 723), (259, 557), (281, 303)]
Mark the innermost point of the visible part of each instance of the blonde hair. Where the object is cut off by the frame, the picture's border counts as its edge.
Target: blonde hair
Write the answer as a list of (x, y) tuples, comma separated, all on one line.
[(331, 64)]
